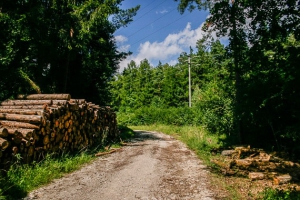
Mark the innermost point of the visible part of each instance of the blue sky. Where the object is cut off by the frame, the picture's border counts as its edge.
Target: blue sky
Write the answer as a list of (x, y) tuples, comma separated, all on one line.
[(159, 32)]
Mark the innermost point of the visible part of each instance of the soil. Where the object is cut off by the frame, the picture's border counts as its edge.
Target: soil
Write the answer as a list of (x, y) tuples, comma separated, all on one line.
[(153, 166)]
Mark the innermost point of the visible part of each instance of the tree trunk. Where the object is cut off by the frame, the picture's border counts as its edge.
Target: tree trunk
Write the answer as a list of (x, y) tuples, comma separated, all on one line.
[(23, 107), (256, 176), (3, 132), (45, 97), (59, 102), (25, 102), (18, 124), (282, 179), (3, 144), (237, 73), (22, 118), (22, 111), (26, 133)]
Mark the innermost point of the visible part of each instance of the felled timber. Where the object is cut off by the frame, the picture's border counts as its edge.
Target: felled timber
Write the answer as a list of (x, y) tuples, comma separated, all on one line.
[(278, 180), (39, 124), (25, 102), (23, 107), (3, 132), (37, 119), (256, 175), (258, 164), (22, 111), (8, 124), (3, 143), (45, 97)]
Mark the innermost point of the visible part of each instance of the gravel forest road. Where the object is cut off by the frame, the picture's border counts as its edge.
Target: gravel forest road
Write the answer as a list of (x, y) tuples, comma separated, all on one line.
[(153, 166)]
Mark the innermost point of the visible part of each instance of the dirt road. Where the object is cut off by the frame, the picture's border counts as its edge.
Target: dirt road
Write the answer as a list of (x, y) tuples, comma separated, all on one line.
[(153, 166)]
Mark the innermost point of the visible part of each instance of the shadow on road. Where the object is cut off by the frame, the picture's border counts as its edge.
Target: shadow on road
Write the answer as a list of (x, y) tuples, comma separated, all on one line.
[(141, 136)]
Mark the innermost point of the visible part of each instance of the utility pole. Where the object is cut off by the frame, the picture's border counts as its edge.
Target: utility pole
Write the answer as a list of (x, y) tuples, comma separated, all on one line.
[(190, 90), (190, 87)]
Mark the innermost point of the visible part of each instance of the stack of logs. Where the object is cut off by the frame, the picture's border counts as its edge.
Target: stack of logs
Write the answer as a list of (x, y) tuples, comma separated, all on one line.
[(37, 124), (257, 165)]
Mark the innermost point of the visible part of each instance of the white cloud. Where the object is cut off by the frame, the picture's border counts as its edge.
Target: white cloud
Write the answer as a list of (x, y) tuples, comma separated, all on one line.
[(173, 62), (124, 48), (120, 39), (168, 50), (162, 11)]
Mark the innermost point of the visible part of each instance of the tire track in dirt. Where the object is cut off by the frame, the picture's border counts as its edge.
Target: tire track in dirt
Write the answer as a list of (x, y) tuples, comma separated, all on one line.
[(153, 166)]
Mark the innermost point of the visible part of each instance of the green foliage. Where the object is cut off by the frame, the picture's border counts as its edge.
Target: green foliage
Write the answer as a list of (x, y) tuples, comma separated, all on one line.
[(277, 194), (126, 133), (264, 56), (60, 47), (153, 115), (196, 138), (143, 85), (21, 179), (28, 177)]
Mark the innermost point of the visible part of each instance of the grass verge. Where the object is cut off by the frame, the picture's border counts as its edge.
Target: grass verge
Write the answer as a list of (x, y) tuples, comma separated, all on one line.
[(201, 142), (20, 179), (196, 138), (225, 187)]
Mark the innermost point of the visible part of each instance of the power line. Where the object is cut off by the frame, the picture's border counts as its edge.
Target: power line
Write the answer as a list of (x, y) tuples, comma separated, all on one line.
[(161, 28), (150, 10), (148, 5), (150, 23), (146, 12)]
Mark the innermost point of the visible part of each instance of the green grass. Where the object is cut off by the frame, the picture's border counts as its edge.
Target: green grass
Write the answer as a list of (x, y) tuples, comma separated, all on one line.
[(126, 133), (201, 141), (195, 137), (20, 179), (276, 194)]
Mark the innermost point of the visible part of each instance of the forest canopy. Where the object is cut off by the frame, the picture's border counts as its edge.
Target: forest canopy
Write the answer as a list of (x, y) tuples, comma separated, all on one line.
[(60, 46), (248, 90)]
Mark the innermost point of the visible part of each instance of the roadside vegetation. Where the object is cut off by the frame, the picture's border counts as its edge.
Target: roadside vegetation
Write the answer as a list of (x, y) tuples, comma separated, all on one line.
[(20, 179), (243, 93), (246, 92)]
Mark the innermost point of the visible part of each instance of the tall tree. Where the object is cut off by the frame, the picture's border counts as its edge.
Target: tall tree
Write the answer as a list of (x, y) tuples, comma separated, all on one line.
[(265, 72), (62, 46), (227, 19)]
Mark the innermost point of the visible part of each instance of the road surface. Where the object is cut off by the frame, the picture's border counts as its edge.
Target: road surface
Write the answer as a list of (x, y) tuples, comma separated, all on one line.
[(153, 166)]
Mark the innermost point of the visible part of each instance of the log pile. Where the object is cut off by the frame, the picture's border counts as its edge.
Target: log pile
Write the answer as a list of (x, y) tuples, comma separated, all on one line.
[(35, 125), (257, 165)]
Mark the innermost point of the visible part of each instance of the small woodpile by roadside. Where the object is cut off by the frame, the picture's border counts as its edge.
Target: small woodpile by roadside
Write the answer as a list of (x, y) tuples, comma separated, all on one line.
[(256, 164), (37, 124)]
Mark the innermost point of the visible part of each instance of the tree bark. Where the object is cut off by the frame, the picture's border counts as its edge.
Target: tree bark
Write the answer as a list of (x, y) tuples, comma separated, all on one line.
[(282, 179), (14, 124), (22, 118), (22, 111), (59, 102), (3, 132), (256, 176), (26, 133), (23, 107), (3, 144), (25, 102), (45, 97)]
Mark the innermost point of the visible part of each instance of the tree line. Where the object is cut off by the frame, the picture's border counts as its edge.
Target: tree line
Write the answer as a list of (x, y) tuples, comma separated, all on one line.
[(248, 90), (60, 46)]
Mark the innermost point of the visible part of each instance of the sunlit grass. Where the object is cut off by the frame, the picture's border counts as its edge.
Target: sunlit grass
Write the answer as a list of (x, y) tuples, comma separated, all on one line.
[(20, 179), (196, 138)]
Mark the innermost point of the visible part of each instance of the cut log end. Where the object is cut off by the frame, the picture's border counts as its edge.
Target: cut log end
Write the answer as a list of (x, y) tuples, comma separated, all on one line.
[(256, 175), (283, 179)]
